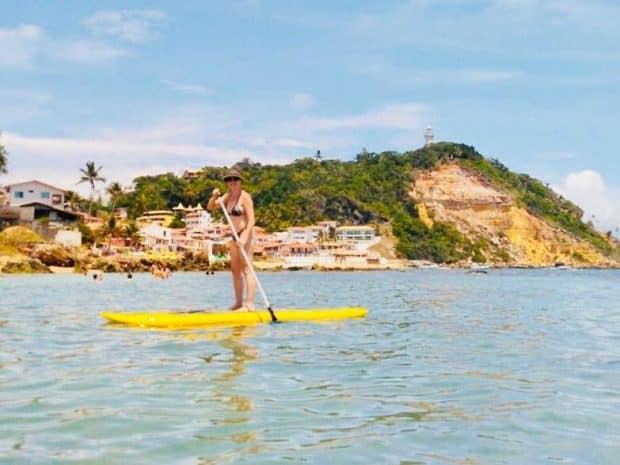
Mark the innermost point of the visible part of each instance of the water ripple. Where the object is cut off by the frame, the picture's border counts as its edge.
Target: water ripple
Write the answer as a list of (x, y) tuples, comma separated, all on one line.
[(516, 367)]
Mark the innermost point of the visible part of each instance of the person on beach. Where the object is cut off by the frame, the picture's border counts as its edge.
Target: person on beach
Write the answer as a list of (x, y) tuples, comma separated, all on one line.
[(240, 209)]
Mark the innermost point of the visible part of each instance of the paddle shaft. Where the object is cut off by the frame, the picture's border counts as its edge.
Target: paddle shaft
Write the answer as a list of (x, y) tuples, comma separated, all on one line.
[(246, 258)]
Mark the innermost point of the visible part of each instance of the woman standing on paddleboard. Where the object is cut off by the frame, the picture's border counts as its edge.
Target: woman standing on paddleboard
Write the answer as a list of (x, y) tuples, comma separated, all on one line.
[(240, 208)]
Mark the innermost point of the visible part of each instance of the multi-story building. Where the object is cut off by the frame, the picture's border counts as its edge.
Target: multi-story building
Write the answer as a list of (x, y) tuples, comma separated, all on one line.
[(197, 218), (158, 217), (34, 191), (356, 233), (157, 238), (4, 198)]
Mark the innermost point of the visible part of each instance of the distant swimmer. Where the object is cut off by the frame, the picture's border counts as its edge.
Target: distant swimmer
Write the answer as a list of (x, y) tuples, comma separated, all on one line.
[(97, 275), (160, 272)]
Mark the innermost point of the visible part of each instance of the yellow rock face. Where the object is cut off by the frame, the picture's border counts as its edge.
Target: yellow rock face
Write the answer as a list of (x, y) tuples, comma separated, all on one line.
[(424, 217), (453, 194)]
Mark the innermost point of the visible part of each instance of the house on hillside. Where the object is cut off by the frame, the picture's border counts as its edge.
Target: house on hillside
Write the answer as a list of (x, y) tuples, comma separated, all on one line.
[(38, 205), (4, 198), (191, 174), (156, 238), (158, 217), (35, 192), (37, 211)]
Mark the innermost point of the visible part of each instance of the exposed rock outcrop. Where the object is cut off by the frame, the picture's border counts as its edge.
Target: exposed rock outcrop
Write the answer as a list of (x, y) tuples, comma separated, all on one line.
[(516, 237)]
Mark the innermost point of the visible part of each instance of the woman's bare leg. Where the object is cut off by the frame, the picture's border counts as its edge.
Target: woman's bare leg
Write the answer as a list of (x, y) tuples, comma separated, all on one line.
[(249, 278), (236, 267)]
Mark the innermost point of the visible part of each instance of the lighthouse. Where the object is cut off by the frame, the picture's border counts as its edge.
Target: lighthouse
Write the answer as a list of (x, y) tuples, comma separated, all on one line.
[(428, 136)]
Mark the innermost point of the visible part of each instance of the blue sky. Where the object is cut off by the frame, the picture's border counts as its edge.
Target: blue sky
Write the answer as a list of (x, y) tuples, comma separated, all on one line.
[(151, 87)]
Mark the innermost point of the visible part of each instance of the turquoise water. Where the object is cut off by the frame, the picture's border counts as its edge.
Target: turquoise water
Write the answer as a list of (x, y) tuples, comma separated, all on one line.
[(511, 367)]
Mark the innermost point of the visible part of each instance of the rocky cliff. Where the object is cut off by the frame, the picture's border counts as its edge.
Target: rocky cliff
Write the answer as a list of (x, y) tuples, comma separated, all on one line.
[(481, 211)]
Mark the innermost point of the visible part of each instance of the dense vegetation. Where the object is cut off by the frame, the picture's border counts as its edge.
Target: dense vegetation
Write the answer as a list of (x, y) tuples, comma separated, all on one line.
[(3, 158), (373, 188)]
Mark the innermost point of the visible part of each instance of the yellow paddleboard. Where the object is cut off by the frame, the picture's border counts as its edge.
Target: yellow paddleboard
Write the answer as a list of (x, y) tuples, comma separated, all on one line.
[(229, 318)]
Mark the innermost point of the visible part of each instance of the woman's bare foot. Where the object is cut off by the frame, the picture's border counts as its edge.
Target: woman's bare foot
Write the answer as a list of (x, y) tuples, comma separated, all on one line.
[(240, 309), (249, 306), (236, 307)]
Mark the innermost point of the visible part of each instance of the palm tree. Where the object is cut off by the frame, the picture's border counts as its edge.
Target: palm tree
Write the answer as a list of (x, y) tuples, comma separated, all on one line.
[(73, 200), (91, 176), (108, 230), (114, 190), (331, 235), (131, 231)]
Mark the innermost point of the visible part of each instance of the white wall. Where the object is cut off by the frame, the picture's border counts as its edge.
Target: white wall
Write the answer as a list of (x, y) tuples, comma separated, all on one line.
[(69, 238), (34, 191)]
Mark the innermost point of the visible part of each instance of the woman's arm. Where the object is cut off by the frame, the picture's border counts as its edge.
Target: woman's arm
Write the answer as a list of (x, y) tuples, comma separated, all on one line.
[(213, 200)]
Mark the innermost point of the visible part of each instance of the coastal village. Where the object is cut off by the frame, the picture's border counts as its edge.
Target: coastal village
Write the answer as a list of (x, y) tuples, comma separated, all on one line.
[(75, 237), (44, 208)]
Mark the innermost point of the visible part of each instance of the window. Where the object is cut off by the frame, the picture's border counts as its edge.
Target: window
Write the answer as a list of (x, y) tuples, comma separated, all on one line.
[(19, 194), (45, 195)]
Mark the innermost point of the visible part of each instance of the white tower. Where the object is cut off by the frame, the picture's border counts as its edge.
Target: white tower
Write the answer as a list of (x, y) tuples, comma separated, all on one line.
[(428, 136)]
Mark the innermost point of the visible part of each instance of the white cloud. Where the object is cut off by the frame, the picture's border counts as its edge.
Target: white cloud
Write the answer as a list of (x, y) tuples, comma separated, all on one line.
[(58, 159), (200, 135), (19, 46), (283, 143), (381, 69), (588, 190), (22, 105), (482, 76), (392, 116), (191, 89), (86, 51), (134, 26), (585, 13), (22, 46), (302, 101)]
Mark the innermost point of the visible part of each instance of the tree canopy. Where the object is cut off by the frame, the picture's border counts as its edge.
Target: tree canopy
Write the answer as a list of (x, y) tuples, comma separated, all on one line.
[(3, 158), (371, 189), (91, 175)]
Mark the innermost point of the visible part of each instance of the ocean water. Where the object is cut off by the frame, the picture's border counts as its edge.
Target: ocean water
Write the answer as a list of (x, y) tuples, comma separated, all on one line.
[(509, 367)]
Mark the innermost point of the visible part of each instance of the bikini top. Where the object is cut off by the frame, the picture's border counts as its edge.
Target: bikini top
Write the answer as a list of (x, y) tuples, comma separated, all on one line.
[(236, 210)]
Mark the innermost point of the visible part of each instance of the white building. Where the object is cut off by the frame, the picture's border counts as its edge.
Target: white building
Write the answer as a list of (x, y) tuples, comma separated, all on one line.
[(356, 233), (35, 191), (158, 217), (299, 234), (157, 238), (198, 218), (307, 233), (429, 136), (68, 238)]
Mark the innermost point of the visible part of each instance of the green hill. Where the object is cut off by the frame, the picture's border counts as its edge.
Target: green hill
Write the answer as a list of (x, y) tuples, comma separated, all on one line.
[(373, 188)]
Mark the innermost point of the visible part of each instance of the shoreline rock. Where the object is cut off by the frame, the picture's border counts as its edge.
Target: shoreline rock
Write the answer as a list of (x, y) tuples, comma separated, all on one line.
[(54, 258)]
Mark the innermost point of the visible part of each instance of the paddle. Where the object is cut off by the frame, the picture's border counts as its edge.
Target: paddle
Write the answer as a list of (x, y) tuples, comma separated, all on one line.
[(247, 260)]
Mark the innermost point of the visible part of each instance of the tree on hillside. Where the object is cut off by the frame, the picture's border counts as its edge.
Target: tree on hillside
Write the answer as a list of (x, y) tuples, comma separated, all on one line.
[(74, 201), (131, 231), (114, 190), (108, 230), (3, 158), (90, 174)]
